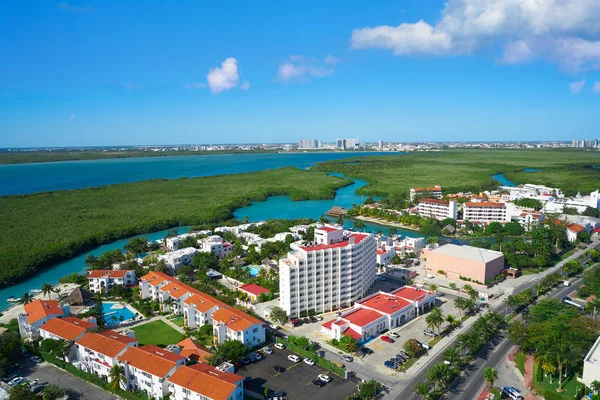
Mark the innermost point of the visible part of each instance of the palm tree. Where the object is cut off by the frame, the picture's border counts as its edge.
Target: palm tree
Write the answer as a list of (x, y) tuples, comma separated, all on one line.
[(26, 298), (595, 386), (433, 287), (351, 346), (460, 303), (423, 390), (490, 374), (48, 288), (64, 348), (438, 375), (452, 356), (168, 302), (435, 318), (453, 321), (116, 376), (549, 368)]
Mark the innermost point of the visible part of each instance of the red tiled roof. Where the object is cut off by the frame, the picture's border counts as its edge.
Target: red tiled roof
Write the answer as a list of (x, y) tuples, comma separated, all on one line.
[(68, 328), (39, 309), (575, 228), (485, 204), (385, 303), (206, 380), (109, 343), (151, 359), (411, 293), (327, 325), (362, 316), (156, 277), (253, 289), (353, 334), (193, 350), (358, 237), (327, 229), (111, 273), (434, 201), (235, 319)]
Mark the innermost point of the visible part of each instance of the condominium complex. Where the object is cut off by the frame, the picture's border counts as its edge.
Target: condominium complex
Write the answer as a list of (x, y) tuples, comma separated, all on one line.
[(102, 280), (437, 208), (486, 212), (308, 144), (434, 192), (330, 273), (36, 314)]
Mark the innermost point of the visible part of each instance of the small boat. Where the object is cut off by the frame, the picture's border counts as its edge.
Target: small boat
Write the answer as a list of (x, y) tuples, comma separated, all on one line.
[(35, 291), (13, 299)]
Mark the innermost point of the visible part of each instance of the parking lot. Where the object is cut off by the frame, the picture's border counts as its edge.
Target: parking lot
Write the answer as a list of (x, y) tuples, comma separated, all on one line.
[(296, 380)]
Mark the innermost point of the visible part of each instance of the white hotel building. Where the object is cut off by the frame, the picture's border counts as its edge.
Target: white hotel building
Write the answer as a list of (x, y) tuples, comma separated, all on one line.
[(486, 212), (437, 208), (328, 274)]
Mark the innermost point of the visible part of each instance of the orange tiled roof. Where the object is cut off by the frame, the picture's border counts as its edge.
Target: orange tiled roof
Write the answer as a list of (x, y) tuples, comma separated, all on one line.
[(109, 343), (151, 359), (68, 328), (434, 201), (39, 309), (206, 380), (191, 349), (156, 277), (431, 189), (575, 228), (111, 273), (176, 289), (235, 319)]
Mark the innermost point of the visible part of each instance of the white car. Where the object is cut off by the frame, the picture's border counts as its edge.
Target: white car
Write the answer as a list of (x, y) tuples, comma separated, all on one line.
[(309, 361), (294, 358), (268, 350), (274, 327), (324, 378), (279, 346), (394, 335), (319, 318)]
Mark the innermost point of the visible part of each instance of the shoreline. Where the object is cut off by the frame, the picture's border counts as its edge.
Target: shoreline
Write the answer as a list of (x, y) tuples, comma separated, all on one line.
[(386, 223)]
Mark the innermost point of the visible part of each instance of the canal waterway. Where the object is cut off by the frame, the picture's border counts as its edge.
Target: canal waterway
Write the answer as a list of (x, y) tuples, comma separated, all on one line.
[(44, 177)]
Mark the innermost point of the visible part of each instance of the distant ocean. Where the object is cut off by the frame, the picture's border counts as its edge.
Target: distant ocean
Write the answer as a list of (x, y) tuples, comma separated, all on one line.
[(44, 177)]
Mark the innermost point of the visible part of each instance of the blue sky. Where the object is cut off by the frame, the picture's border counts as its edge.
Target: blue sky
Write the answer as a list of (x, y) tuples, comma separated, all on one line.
[(112, 72)]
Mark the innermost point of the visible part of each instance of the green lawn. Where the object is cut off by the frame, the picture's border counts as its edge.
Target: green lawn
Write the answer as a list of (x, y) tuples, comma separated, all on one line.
[(178, 321), (569, 385), (496, 393), (157, 333), (520, 362)]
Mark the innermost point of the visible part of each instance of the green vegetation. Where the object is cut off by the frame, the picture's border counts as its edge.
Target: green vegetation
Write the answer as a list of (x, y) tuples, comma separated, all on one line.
[(157, 333), (471, 170), (311, 354), (41, 229)]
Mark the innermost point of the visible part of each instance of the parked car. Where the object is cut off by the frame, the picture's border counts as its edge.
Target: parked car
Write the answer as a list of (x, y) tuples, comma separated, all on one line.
[(309, 361), (16, 381), (347, 358), (9, 377), (319, 318), (318, 382), (279, 346), (405, 354), (387, 339), (257, 356), (279, 393), (294, 358), (394, 335), (424, 345), (274, 327), (278, 368), (389, 364), (36, 359), (268, 350), (429, 332), (381, 278), (320, 353), (367, 350), (313, 319), (295, 322), (246, 361), (324, 378)]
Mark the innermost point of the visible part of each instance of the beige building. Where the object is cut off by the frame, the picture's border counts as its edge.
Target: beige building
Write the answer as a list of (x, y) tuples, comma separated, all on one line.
[(480, 265), (437, 208)]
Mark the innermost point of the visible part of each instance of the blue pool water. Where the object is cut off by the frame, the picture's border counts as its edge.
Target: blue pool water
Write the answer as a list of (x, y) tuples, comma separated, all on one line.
[(254, 270), (117, 313)]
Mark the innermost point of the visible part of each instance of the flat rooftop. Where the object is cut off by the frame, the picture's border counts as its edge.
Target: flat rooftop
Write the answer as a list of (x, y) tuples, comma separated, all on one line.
[(468, 253)]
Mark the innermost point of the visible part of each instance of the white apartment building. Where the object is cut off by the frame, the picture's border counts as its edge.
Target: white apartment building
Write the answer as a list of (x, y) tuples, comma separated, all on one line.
[(437, 208), (178, 258), (308, 144), (579, 202), (204, 382), (232, 324), (174, 242), (98, 352), (148, 368), (434, 192), (102, 280), (330, 273), (486, 212), (215, 244), (529, 218), (36, 314), (591, 365), (410, 245), (531, 191)]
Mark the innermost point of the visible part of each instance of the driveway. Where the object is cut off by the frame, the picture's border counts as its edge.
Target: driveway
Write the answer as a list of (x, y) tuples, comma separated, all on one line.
[(76, 388)]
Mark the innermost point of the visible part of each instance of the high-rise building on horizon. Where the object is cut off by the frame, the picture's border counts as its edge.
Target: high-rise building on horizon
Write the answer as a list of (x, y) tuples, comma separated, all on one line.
[(308, 144)]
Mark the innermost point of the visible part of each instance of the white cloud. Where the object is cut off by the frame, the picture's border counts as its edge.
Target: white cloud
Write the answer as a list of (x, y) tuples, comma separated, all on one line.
[(245, 85), (300, 69), (596, 87), (68, 7), (224, 78), (71, 116), (565, 32), (577, 86)]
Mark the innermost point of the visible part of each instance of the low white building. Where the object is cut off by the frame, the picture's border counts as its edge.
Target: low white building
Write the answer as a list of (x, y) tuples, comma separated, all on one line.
[(531, 191), (102, 280), (215, 244), (437, 208), (385, 250), (98, 352), (36, 314), (204, 382), (148, 368), (178, 258), (529, 218), (434, 192), (573, 231), (232, 324), (174, 242), (579, 202), (410, 245), (591, 365), (378, 312)]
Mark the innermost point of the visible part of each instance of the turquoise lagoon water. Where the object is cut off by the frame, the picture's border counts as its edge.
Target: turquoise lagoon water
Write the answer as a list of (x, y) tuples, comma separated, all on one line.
[(43, 177), (76, 264), (505, 182), (117, 311)]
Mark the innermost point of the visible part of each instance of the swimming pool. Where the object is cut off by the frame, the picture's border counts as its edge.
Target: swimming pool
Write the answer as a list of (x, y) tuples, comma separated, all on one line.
[(254, 270), (116, 312)]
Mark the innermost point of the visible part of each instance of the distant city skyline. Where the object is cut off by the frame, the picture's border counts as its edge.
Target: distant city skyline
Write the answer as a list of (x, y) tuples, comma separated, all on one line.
[(193, 72)]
